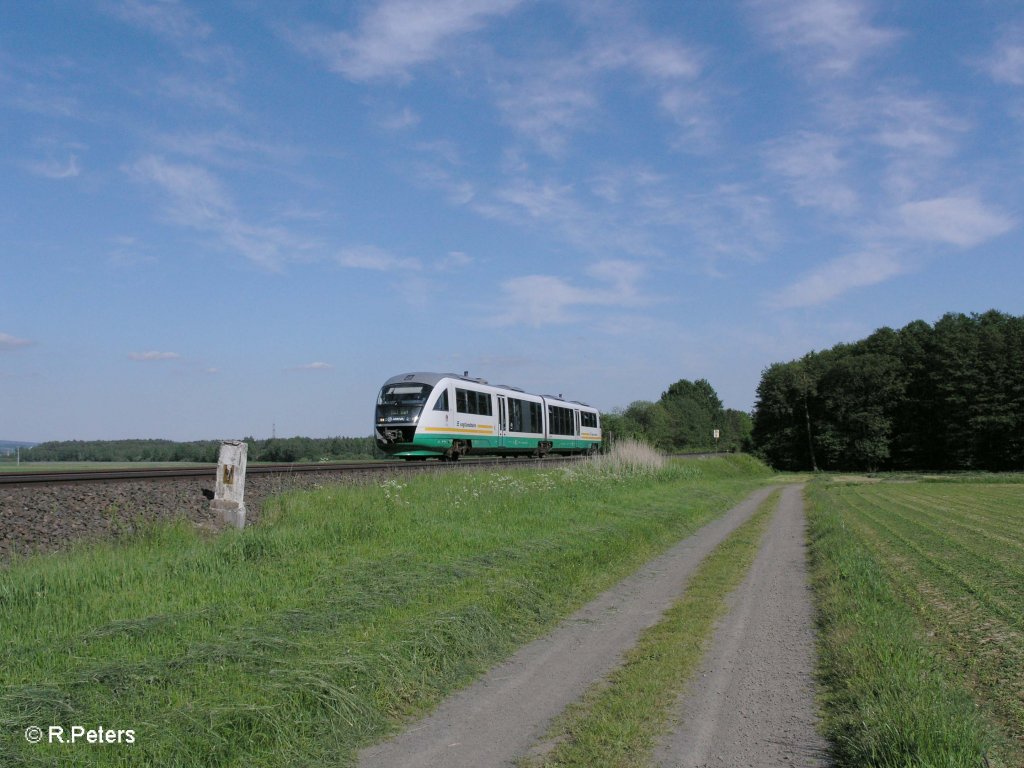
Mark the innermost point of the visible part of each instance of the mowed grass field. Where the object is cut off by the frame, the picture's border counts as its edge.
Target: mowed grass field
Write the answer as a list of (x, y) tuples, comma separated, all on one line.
[(921, 590), (346, 611)]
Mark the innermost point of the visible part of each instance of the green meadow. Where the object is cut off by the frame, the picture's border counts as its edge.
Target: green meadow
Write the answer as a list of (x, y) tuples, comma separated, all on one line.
[(344, 613)]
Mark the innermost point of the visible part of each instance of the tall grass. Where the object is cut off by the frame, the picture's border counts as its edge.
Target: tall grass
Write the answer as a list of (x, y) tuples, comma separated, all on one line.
[(347, 610), (629, 457)]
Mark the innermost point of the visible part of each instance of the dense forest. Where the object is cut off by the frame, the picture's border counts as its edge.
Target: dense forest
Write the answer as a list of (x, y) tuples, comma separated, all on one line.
[(683, 419), (948, 396), (278, 449)]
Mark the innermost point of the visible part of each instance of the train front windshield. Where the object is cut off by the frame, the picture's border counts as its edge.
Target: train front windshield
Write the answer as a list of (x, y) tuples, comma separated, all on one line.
[(402, 403)]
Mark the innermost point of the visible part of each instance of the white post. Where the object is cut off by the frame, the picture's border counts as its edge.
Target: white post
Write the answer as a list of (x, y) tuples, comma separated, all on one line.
[(229, 495)]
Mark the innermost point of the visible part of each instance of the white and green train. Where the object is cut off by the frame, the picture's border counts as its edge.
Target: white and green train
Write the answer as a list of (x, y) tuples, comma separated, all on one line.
[(444, 415)]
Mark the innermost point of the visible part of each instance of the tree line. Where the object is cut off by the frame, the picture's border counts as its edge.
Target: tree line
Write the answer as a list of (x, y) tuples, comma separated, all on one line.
[(682, 419), (275, 449), (948, 396)]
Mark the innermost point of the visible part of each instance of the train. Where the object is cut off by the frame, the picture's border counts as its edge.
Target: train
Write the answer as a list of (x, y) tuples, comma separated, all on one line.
[(446, 416)]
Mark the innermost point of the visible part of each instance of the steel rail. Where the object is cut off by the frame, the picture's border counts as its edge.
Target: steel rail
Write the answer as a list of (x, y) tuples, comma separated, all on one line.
[(210, 471)]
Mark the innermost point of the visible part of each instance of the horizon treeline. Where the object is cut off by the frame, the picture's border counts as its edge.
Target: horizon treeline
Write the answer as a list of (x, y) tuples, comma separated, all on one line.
[(683, 418), (948, 396), (275, 449)]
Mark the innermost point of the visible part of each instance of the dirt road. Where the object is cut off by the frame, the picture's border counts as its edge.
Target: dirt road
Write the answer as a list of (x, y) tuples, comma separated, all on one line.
[(752, 701), (751, 704)]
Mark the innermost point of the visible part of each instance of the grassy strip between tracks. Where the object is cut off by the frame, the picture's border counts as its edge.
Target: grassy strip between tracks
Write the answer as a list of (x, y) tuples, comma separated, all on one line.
[(920, 636), (616, 723), (348, 610)]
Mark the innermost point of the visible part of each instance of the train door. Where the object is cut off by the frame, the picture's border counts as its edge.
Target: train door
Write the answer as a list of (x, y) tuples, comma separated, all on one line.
[(576, 427), (502, 419)]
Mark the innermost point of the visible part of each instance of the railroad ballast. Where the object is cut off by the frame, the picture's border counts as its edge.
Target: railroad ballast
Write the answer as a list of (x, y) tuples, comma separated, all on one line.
[(445, 416)]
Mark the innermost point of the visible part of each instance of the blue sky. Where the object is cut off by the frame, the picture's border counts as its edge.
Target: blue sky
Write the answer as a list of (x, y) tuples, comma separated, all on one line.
[(220, 219)]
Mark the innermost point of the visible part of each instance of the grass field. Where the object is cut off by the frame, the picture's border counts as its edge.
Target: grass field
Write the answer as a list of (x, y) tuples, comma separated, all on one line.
[(921, 587), (295, 642)]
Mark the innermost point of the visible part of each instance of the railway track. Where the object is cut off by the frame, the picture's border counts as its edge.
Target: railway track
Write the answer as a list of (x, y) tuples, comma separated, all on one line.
[(210, 471)]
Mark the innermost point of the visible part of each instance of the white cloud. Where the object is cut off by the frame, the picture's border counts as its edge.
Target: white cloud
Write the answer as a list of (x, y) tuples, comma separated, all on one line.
[(688, 108), (832, 36), (206, 94), (373, 258), (197, 199), (836, 277), (454, 260), (168, 19), (1006, 63), (912, 124), (813, 170), (54, 169), (399, 121), (961, 221), (13, 342), (153, 355), (547, 108), (317, 366), (399, 35), (538, 300), (546, 101)]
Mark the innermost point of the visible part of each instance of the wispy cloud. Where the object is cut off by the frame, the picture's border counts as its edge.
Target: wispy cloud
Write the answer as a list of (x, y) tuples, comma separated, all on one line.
[(316, 366), (399, 120), (453, 260), (399, 35), (961, 220), (168, 19), (202, 93), (198, 199), (813, 169), (1006, 62), (13, 342), (373, 258), (56, 169), (837, 277), (827, 37), (548, 100), (153, 355), (538, 300), (547, 108), (910, 123)]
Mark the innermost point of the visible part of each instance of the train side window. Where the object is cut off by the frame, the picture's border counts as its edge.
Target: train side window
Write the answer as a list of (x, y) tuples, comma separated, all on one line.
[(442, 401), (515, 415), (471, 401), (524, 416), (560, 421), (588, 419), (483, 400)]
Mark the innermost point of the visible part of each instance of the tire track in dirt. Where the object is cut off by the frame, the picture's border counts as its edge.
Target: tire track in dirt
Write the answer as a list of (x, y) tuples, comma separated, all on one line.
[(497, 719), (752, 702)]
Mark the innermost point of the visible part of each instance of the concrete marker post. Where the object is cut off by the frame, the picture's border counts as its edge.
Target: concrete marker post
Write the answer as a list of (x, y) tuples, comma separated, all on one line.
[(229, 495)]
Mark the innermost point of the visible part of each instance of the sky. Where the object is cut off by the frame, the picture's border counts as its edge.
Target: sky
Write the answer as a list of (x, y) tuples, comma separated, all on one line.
[(240, 217)]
